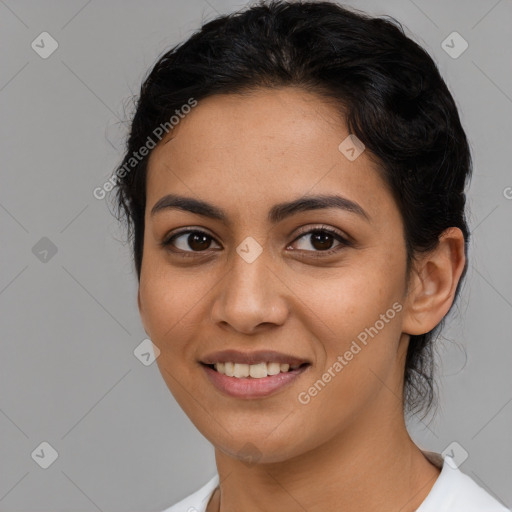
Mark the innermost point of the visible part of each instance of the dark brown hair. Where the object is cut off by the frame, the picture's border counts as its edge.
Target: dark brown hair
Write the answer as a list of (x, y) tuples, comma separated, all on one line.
[(388, 88)]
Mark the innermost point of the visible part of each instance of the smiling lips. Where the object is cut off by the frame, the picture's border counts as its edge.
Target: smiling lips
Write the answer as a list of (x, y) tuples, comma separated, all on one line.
[(254, 374), (252, 358)]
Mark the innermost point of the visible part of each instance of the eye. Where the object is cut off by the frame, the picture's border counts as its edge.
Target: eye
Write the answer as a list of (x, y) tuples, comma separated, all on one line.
[(191, 242), (322, 239), (184, 240)]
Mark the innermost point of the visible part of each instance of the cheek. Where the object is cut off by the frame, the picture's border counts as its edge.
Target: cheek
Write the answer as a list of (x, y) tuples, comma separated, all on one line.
[(349, 299), (172, 312), (358, 362), (168, 300), (357, 318)]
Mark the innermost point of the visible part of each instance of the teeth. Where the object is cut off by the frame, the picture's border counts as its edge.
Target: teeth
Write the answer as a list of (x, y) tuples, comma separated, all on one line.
[(229, 369), (273, 368), (241, 370), (256, 371)]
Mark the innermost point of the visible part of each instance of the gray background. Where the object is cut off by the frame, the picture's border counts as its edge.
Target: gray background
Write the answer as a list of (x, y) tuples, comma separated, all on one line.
[(69, 325)]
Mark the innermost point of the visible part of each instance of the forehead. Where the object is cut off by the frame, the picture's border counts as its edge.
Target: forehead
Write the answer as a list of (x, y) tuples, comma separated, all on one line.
[(261, 148)]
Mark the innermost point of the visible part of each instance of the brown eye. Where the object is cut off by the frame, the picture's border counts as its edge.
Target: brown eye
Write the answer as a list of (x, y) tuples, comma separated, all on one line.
[(189, 241), (322, 240)]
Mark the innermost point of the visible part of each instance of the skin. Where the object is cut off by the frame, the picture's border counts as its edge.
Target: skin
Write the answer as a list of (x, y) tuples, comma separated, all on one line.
[(348, 448)]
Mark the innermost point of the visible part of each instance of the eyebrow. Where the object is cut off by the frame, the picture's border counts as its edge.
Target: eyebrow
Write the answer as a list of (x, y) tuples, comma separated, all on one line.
[(276, 214)]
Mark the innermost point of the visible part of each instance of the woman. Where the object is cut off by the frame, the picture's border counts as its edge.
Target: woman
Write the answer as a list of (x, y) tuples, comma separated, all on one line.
[(294, 184)]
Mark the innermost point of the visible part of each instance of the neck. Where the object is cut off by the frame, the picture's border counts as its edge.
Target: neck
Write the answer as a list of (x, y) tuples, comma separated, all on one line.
[(373, 465)]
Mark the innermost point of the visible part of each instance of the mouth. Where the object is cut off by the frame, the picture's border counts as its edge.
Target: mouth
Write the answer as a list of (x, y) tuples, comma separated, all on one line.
[(254, 371), (252, 381)]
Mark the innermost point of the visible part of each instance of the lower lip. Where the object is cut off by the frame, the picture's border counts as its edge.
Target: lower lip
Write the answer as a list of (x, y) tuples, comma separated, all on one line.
[(249, 387)]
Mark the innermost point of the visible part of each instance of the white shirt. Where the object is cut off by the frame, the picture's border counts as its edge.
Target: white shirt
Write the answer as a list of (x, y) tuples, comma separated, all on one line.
[(453, 491)]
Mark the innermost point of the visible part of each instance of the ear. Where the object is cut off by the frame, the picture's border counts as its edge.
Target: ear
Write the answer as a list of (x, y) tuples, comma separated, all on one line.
[(433, 283)]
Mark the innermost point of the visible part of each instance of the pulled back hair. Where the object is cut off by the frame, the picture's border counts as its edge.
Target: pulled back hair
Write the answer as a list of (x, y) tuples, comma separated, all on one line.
[(387, 88)]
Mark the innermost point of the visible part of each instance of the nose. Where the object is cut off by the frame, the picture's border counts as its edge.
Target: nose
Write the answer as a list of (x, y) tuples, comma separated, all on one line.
[(250, 297)]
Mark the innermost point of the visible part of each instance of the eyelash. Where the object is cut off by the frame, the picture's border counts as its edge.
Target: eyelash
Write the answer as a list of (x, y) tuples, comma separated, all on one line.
[(167, 242)]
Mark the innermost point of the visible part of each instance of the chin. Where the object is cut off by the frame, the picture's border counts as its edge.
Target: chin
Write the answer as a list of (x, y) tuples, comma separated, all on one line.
[(251, 454), (257, 447)]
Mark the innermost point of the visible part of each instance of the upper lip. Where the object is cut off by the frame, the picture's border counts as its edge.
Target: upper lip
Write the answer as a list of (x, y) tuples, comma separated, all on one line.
[(258, 356)]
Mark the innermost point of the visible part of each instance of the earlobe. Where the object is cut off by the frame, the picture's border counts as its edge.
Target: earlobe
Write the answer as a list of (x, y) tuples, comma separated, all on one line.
[(433, 283)]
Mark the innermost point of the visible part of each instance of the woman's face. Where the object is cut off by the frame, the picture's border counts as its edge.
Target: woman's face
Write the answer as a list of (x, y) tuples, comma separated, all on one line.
[(254, 282)]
